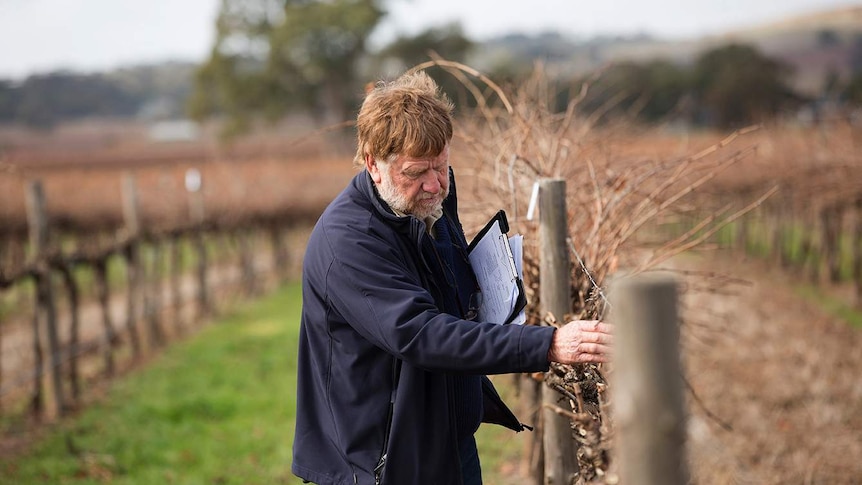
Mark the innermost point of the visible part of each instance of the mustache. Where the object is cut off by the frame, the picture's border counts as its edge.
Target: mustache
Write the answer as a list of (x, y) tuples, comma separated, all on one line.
[(431, 195)]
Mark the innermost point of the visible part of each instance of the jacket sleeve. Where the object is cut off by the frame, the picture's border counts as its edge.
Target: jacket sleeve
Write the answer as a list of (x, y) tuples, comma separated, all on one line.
[(371, 286)]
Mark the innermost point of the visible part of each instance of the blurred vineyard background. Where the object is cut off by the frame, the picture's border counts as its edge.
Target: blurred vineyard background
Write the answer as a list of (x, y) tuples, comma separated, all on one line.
[(136, 204)]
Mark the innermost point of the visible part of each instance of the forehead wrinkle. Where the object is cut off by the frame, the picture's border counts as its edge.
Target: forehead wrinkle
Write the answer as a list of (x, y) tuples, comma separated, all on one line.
[(435, 161)]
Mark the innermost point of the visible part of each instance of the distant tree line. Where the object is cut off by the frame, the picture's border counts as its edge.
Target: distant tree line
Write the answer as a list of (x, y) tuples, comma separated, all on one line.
[(273, 57), (43, 100), (726, 87)]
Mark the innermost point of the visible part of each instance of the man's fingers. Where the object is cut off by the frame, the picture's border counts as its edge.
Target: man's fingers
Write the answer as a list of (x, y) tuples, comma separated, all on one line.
[(584, 353), (597, 338), (592, 359), (587, 348), (594, 353), (583, 341), (595, 326)]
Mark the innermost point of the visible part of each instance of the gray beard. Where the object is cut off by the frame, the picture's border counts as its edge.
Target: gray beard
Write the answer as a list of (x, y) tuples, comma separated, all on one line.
[(399, 203)]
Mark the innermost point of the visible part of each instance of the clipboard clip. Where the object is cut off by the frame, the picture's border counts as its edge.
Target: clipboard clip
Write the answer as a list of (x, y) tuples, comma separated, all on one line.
[(500, 217)]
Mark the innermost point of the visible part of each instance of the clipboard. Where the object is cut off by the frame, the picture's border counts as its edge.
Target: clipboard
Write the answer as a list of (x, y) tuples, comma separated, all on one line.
[(493, 262)]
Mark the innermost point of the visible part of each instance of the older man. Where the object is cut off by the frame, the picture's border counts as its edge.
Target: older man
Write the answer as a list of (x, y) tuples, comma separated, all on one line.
[(391, 377)]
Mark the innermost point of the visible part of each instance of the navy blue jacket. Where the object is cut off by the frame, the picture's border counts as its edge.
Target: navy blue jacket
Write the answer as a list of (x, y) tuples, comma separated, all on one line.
[(369, 301)]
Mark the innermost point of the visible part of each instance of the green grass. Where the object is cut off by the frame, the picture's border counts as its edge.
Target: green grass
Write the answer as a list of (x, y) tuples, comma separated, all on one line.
[(832, 305), (499, 447), (216, 409)]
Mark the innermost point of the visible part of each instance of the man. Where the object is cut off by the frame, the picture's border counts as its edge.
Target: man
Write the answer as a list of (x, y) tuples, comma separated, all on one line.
[(391, 376)]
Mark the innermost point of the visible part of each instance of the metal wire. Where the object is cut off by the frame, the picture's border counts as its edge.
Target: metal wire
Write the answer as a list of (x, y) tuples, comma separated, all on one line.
[(596, 287)]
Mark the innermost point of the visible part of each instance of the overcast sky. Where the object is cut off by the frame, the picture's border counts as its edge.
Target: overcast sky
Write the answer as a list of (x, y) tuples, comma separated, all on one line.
[(87, 35)]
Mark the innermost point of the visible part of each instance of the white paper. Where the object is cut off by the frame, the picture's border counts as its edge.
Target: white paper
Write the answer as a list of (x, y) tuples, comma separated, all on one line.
[(496, 271), (516, 242)]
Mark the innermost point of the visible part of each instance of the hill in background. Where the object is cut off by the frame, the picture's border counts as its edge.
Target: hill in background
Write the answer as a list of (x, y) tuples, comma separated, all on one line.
[(816, 46)]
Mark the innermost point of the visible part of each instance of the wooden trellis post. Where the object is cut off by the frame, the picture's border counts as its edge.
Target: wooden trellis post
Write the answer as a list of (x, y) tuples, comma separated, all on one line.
[(561, 463), (133, 259), (204, 307), (103, 294), (648, 401), (280, 254), (857, 250), (533, 456), (38, 222), (197, 214), (153, 294), (175, 279), (831, 226), (74, 330), (245, 244)]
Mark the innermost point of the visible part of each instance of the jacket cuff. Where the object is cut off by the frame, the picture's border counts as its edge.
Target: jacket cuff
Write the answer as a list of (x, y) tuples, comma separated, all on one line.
[(535, 343)]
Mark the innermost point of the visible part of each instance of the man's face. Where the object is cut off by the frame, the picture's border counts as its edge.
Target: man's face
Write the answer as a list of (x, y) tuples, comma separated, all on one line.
[(415, 186)]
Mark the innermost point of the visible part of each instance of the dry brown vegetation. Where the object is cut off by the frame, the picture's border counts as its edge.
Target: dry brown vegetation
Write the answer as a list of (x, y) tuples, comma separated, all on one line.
[(611, 199), (252, 180), (624, 186)]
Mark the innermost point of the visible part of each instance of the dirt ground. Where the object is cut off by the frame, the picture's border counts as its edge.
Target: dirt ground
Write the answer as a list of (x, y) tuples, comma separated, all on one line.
[(783, 374)]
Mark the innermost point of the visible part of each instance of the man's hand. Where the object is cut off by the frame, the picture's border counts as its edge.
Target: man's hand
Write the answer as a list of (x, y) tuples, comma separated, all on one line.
[(581, 341)]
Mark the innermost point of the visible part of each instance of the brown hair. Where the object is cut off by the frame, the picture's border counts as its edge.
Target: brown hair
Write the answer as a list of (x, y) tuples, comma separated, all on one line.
[(409, 116)]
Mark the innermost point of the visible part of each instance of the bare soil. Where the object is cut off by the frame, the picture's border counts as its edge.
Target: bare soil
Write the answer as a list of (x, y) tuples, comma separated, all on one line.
[(782, 373)]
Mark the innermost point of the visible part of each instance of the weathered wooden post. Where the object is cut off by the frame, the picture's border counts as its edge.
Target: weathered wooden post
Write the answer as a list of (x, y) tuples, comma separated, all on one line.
[(648, 406), (103, 294), (561, 463), (245, 244), (176, 275), (831, 226), (280, 254), (153, 294), (133, 259), (856, 244), (4, 244), (38, 221), (74, 330), (532, 455), (194, 184)]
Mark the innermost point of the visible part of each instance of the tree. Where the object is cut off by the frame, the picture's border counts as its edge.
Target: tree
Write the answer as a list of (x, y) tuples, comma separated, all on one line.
[(232, 82), (615, 90), (667, 85), (271, 56), (736, 85), (315, 51), (827, 38), (649, 92), (448, 42), (43, 100), (8, 101)]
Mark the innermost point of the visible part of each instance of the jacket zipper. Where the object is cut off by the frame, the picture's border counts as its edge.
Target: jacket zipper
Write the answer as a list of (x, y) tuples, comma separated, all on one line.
[(381, 463)]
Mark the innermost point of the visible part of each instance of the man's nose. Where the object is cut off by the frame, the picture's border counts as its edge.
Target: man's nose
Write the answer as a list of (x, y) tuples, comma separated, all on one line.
[(431, 183)]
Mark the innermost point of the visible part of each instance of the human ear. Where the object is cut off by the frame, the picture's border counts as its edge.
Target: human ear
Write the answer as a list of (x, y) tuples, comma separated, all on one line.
[(373, 168)]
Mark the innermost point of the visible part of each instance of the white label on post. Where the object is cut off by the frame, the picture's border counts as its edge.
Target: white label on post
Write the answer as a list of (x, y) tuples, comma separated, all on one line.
[(193, 180)]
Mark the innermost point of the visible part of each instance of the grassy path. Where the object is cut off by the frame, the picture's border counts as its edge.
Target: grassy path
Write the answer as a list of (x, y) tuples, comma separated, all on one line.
[(216, 409)]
